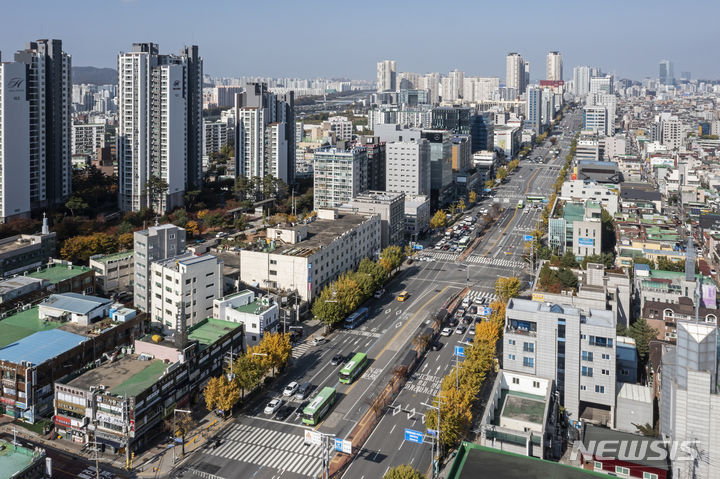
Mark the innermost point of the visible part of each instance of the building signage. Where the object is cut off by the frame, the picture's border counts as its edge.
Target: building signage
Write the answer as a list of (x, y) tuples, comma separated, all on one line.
[(62, 421), (10, 402), (538, 297), (586, 242)]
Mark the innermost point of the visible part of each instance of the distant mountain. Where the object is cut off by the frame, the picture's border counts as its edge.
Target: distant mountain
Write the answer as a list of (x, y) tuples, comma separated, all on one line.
[(92, 75)]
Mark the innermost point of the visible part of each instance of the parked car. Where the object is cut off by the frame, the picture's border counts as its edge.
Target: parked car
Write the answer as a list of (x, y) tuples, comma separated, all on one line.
[(446, 332), (460, 329), (290, 389), (471, 331), (272, 407)]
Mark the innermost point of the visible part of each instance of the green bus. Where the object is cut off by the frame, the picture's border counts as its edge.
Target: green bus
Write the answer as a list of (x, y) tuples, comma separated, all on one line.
[(353, 368), (535, 199), (521, 204), (319, 406)]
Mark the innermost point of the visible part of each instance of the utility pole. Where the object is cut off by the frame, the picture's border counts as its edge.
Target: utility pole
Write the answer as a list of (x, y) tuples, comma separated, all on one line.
[(436, 462)]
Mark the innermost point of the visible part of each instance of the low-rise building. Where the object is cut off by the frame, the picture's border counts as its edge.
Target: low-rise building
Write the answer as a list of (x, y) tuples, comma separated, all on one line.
[(18, 462), (64, 277), (257, 315), (113, 272), (663, 316), (581, 191), (19, 286), (307, 256), (24, 252), (77, 308), (417, 215)]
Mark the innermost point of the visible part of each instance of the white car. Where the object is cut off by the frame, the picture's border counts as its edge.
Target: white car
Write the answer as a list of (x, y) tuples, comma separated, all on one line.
[(318, 340), (446, 332), (378, 294), (290, 389), (272, 407)]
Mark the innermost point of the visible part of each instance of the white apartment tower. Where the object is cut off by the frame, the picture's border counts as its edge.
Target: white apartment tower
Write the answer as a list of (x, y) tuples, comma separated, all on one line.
[(49, 91), (515, 72), (339, 175), (407, 167), (386, 75), (14, 142), (264, 133), (159, 125), (554, 66)]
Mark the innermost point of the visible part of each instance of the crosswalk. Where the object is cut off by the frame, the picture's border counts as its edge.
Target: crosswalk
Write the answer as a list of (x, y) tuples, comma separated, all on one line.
[(301, 348), (487, 296), (286, 452), (505, 263), (444, 256)]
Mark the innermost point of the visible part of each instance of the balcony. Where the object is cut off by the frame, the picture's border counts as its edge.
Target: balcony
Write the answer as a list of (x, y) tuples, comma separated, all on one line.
[(520, 331)]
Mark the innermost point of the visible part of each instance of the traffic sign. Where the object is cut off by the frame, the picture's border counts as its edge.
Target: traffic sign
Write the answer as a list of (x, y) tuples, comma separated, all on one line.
[(313, 437), (343, 445), (485, 312), (432, 432), (413, 436), (460, 351), (527, 237)]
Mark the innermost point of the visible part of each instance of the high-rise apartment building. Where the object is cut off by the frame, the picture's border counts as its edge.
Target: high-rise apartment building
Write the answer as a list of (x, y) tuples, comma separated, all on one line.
[(602, 84), (376, 154), (666, 73), (159, 125), (386, 75), (215, 137), (515, 72), (534, 109), (339, 175), (153, 244), (49, 91), (87, 138), (265, 133), (554, 67), (408, 167), (14, 141)]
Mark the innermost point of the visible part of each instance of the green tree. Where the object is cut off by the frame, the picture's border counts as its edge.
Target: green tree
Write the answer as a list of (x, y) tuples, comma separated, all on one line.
[(642, 333), (155, 187), (391, 258), (567, 278), (568, 260), (274, 351), (75, 203), (376, 271), (247, 372), (403, 472), (439, 220), (243, 187), (365, 282), (191, 198), (506, 288), (608, 237)]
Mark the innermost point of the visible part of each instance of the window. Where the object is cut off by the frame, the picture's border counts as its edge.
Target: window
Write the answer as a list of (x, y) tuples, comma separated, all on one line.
[(583, 388), (586, 371), (623, 471), (600, 389), (649, 475), (516, 380), (511, 342), (536, 384), (529, 347), (606, 356), (606, 372), (597, 466), (587, 356), (528, 362)]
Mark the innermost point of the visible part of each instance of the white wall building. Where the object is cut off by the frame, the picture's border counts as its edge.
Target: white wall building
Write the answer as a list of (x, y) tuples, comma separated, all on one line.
[(339, 175), (341, 126), (87, 138), (386, 75), (215, 136), (554, 66), (407, 167), (515, 72), (580, 191), (257, 315), (184, 284)]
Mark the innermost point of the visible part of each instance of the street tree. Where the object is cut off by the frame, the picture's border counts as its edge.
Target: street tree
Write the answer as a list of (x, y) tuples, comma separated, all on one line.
[(403, 471), (247, 372), (273, 351), (391, 258), (506, 288), (455, 415), (439, 220), (472, 197), (221, 394), (375, 270), (178, 425), (326, 307), (461, 205)]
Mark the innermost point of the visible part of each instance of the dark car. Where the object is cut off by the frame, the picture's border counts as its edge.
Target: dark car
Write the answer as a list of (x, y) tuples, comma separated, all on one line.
[(283, 413), (436, 346), (467, 319), (453, 322), (337, 359)]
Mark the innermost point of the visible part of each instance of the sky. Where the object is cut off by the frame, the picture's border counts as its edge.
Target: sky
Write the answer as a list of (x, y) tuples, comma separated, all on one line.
[(311, 38)]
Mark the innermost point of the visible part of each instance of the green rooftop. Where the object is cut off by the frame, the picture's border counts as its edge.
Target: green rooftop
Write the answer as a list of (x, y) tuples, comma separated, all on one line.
[(209, 330), (14, 459), (114, 257), (141, 380), (252, 308), (57, 273), (22, 325)]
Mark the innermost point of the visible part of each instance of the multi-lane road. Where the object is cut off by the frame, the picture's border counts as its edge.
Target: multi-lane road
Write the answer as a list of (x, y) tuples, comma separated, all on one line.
[(261, 446)]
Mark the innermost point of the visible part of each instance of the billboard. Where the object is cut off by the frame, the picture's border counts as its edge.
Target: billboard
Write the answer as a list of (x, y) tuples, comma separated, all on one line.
[(586, 242)]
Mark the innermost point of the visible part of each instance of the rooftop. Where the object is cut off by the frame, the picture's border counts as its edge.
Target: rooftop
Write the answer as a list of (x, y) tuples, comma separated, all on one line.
[(209, 330), (473, 461), (597, 434), (74, 302), (41, 346), (635, 392), (58, 272), (12, 284), (19, 241), (254, 307), (14, 459), (21, 325), (127, 375), (114, 257), (524, 407), (186, 259)]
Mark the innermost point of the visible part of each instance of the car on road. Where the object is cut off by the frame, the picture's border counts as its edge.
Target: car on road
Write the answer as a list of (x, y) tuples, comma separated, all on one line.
[(437, 345), (318, 340), (273, 406), (467, 319), (472, 309), (303, 391), (471, 330), (290, 389), (378, 294), (446, 332), (283, 413), (460, 329), (337, 359), (467, 340), (453, 322)]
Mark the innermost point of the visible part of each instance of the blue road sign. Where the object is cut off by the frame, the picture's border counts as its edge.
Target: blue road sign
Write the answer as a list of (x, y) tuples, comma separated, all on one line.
[(484, 312), (413, 436), (432, 432), (527, 237), (460, 351), (418, 247)]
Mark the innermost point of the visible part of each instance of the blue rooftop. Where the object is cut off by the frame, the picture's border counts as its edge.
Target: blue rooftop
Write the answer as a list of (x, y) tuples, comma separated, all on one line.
[(642, 267), (41, 346)]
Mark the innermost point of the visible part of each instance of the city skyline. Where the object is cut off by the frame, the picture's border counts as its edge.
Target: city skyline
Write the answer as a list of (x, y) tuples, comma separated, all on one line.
[(215, 30)]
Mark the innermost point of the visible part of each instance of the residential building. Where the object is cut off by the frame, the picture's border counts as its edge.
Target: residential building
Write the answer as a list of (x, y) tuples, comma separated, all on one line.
[(417, 215), (520, 415), (122, 402), (515, 72), (308, 256), (602, 84), (672, 134), (226, 95), (689, 399), (113, 272), (666, 73), (341, 126), (408, 167), (258, 315), (391, 208), (88, 138), (339, 175), (554, 67), (574, 349), (49, 93), (159, 126), (186, 284), (153, 244), (534, 109), (386, 75), (39, 349), (215, 137), (581, 79), (14, 142), (265, 133), (376, 159)]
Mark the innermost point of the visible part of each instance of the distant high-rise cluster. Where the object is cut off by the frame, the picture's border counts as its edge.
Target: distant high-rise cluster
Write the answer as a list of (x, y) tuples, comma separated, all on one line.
[(386, 75), (554, 67), (159, 126), (515, 72)]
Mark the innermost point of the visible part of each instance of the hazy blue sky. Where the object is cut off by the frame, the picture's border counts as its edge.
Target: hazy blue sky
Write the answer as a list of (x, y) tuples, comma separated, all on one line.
[(309, 38)]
